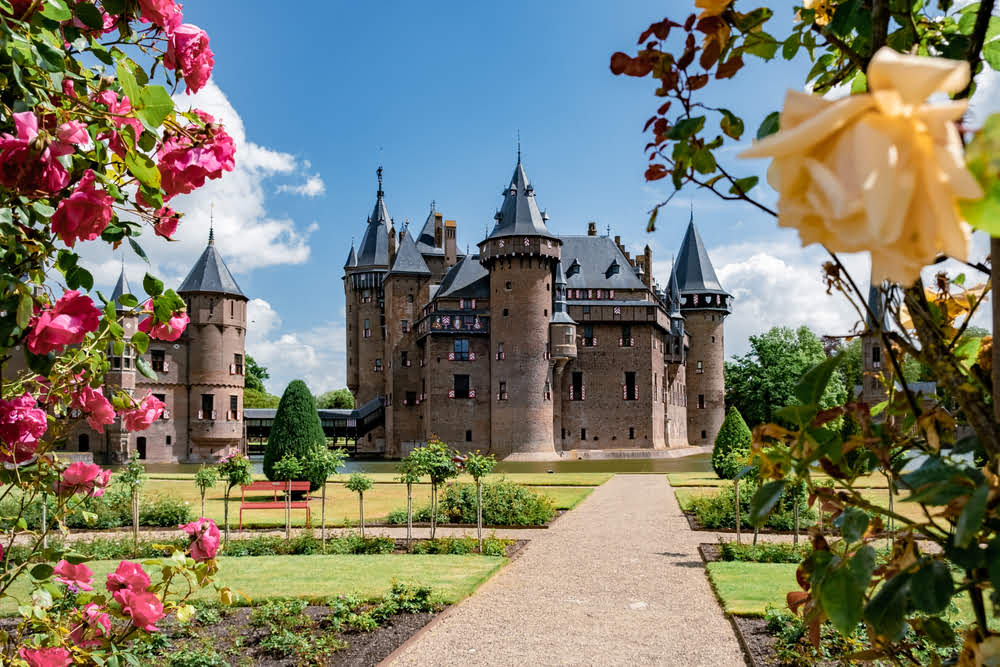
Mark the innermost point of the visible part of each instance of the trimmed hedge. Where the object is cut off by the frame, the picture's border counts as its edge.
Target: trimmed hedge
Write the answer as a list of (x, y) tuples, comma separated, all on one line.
[(504, 504), (296, 431)]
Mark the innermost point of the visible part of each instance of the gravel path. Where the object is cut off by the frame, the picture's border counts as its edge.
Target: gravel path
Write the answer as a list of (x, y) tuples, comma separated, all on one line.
[(617, 581)]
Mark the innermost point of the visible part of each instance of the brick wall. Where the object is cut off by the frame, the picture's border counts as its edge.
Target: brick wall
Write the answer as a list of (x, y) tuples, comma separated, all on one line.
[(706, 389)]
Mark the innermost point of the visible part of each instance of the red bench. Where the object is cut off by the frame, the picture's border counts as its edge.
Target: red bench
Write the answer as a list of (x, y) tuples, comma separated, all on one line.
[(274, 503)]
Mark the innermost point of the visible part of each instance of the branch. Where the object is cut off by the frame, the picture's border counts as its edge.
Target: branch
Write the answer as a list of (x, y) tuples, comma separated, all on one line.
[(880, 24), (976, 40), (852, 55)]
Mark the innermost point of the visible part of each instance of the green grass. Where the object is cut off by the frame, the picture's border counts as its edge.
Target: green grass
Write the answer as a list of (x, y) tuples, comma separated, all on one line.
[(686, 479), (318, 576), (525, 478)]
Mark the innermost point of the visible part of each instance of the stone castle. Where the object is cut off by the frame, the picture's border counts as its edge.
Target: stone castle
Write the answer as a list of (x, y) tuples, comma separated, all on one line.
[(537, 346)]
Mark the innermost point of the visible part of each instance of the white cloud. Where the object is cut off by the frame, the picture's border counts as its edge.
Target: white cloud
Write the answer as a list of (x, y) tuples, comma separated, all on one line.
[(313, 187), (317, 355)]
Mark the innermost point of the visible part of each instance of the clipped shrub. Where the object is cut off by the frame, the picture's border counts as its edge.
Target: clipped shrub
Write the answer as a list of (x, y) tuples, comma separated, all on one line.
[(763, 552), (504, 504), (492, 546), (164, 512), (734, 436), (296, 431), (718, 510)]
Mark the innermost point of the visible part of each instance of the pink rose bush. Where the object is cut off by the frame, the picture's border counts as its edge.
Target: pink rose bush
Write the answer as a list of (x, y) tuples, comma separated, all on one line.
[(55, 656), (66, 323), (128, 576), (185, 163), (166, 223), (164, 13), (93, 403), (121, 107), (84, 214), (189, 54), (84, 478), (22, 423), (28, 162), (144, 608), (204, 538), (74, 576), (141, 417), (94, 627), (170, 330)]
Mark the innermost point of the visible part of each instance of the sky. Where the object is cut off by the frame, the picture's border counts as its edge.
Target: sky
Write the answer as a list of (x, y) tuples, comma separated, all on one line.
[(438, 93)]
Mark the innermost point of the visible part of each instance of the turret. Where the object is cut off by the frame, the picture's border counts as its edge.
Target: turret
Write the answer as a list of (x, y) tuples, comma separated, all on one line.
[(874, 365), (704, 305), (122, 373), (520, 254), (563, 327)]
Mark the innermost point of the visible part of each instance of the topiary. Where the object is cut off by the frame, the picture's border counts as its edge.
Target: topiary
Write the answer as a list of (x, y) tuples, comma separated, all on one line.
[(296, 432), (734, 436)]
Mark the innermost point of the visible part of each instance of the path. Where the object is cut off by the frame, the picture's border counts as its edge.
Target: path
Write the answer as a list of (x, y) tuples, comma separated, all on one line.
[(616, 581)]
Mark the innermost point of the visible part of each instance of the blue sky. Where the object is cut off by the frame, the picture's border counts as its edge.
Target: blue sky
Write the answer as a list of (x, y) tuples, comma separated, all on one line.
[(436, 92)]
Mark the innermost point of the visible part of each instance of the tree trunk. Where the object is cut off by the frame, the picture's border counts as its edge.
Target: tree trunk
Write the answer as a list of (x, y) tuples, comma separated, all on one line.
[(434, 509), (135, 518), (479, 513), (739, 537), (322, 520), (361, 502), (409, 516), (225, 511), (288, 510), (203, 503)]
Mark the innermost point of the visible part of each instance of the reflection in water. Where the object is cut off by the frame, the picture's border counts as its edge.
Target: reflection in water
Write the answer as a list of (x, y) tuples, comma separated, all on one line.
[(697, 463)]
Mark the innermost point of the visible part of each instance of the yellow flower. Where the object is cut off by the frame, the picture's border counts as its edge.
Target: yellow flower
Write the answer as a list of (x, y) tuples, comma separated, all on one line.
[(822, 9), (711, 7), (880, 171)]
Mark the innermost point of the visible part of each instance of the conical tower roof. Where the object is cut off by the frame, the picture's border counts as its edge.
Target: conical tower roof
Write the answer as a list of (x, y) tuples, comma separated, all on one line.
[(519, 214), (121, 287), (878, 319), (210, 274), (352, 258), (408, 258), (374, 249), (674, 295), (425, 240), (693, 268), (560, 312)]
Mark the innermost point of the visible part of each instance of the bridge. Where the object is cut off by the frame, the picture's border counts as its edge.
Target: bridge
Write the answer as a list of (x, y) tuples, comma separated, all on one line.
[(343, 427)]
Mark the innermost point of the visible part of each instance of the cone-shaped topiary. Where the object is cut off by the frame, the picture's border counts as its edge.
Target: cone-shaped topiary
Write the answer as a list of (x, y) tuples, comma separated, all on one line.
[(296, 431), (734, 437)]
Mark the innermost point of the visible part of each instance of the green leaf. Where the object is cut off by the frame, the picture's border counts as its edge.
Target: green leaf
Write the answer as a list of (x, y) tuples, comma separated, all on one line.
[(886, 611), (152, 285), (982, 157), (143, 168), (743, 185), (42, 571), (771, 124), (703, 161), (993, 558), (686, 128), (761, 44), (138, 249), (859, 84), (128, 301), (128, 83), (731, 124), (749, 21), (764, 500), (938, 630), (25, 309), (56, 10), (78, 277), (143, 367), (790, 47), (156, 105), (852, 523), (52, 59), (140, 341), (813, 384), (651, 225), (842, 599), (971, 518), (932, 587), (89, 15)]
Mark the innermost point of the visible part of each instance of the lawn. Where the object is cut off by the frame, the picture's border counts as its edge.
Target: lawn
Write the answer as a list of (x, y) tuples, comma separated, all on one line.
[(453, 577), (341, 504), (525, 478), (687, 479)]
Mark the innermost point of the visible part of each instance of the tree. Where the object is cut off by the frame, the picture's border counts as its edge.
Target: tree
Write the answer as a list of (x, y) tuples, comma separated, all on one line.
[(479, 466), (436, 460), (255, 376), (296, 431), (288, 470), (252, 398), (410, 473), (732, 445), (234, 470), (205, 479), (338, 399), (133, 478), (359, 484), (325, 463)]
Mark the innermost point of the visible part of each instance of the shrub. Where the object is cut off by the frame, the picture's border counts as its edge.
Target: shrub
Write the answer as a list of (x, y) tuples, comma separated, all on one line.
[(296, 431), (763, 552), (731, 444), (717, 510), (279, 613), (504, 504), (356, 544), (189, 657), (164, 512), (492, 546)]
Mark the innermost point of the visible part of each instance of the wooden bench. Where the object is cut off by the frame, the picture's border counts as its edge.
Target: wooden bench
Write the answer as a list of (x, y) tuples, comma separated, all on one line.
[(274, 503)]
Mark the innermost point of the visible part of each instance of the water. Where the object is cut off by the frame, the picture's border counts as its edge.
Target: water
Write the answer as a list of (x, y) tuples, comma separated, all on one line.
[(696, 463)]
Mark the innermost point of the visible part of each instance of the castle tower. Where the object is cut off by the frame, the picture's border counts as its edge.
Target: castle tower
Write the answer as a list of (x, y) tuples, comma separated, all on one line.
[(351, 316), (874, 365), (562, 336), (215, 341), (520, 255), (704, 305), (121, 375)]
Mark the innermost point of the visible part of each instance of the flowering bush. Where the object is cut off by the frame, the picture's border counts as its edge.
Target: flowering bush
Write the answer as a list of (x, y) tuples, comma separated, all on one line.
[(91, 146)]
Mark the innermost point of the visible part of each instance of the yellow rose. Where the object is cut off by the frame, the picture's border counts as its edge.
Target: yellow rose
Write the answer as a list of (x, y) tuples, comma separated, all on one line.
[(711, 7), (822, 9), (880, 171)]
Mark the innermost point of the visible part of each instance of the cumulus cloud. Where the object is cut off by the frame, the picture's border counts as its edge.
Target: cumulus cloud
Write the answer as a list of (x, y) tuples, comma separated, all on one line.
[(317, 355), (313, 187)]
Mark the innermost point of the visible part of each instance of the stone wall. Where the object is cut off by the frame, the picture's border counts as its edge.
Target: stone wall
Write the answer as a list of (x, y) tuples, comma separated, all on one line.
[(706, 404)]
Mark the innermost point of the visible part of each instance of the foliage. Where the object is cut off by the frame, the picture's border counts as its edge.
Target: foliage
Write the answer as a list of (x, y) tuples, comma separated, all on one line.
[(717, 510), (359, 483), (133, 475), (420, 515), (732, 445), (336, 399), (763, 552), (253, 380), (492, 546), (164, 511), (437, 461), (235, 470), (296, 431), (206, 478), (324, 463), (254, 398), (478, 465), (504, 504), (287, 469)]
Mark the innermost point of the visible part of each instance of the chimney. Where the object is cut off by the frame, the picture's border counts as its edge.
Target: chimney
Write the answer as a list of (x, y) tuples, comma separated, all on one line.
[(648, 261), (591, 229), (438, 230), (450, 242)]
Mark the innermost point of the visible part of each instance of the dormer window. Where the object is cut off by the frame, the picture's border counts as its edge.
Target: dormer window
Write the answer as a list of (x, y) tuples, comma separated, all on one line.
[(573, 269), (614, 268)]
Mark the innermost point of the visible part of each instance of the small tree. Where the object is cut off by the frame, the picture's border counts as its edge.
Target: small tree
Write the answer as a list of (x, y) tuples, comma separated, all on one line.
[(326, 462), (359, 484), (296, 431), (288, 470), (341, 399), (132, 477), (479, 466), (436, 460), (234, 470), (205, 479), (410, 473), (734, 436)]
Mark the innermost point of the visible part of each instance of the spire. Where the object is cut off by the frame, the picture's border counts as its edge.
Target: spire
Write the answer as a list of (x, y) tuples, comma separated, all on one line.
[(352, 258), (560, 312), (675, 292), (210, 274), (211, 225), (408, 258), (121, 287), (876, 304), (374, 249), (519, 214), (693, 267)]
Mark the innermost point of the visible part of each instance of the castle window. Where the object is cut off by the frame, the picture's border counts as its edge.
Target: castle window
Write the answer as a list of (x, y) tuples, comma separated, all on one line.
[(583, 434), (207, 407), (502, 394), (588, 337), (507, 285), (378, 365), (234, 407), (630, 392), (460, 348), (700, 368), (626, 340), (116, 363), (409, 298), (468, 436), (83, 443), (576, 390), (506, 312), (140, 446), (713, 339), (238, 364), (158, 359), (547, 395), (232, 309), (368, 329), (701, 402), (404, 358), (500, 354), (569, 334), (168, 441), (162, 398), (631, 433), (877, 356), (461, 386), (704, 434), (586, 312), (411, 398), (404, 325)]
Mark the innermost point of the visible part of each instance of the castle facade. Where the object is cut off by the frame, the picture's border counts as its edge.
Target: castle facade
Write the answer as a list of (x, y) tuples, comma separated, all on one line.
[(536, 346)]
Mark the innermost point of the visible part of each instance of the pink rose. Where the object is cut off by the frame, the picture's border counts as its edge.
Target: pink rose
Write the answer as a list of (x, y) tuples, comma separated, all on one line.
[(164, 13), (205, 538), (128, 576), (170, 330), (166, 223), (98, 409), (85, 478), (144, 608), (21, 425), (55, 656), (121, 108), (188, 53), (66, 323), (25, 167), (141, 417), (184, 163), (74, 576), (94, 623), (84, 214)]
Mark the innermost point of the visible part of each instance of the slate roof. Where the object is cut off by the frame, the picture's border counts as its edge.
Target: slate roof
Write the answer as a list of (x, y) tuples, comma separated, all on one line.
[(468, 279), (559, 307), (408, 258), (425, 240), (693, 267), (374, 249), (674, 296), (210, 274), (121, 287), (519, 214), (594, 255), (352, 259), (876, 303)]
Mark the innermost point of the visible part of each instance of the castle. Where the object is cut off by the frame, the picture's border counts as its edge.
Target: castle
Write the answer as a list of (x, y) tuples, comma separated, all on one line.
[(199, 376), (537, 346)]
